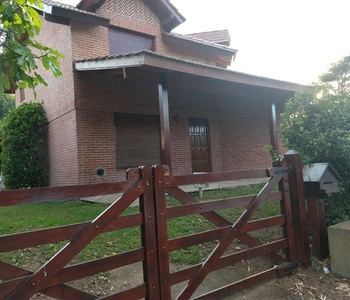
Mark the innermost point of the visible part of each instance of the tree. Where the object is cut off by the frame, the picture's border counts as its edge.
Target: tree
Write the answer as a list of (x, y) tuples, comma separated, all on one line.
[(22, 147), (316, 123), (338, 76), (20, 52), (318, 126), (7, 104)]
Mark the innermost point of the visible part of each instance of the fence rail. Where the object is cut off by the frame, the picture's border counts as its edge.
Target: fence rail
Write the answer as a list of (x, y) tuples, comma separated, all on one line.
[(150, 186)]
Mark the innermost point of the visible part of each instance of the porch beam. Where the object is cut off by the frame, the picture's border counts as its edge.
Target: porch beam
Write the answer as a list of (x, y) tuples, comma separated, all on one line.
[(273, 126), (209, 85), (164, 120)]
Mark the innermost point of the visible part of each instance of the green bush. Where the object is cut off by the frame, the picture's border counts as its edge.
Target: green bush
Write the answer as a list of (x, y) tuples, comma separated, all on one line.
[(316, 123), (22, 147)]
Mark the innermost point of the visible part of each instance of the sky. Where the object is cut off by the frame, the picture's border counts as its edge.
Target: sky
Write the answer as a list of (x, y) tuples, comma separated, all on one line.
[(282, 39)]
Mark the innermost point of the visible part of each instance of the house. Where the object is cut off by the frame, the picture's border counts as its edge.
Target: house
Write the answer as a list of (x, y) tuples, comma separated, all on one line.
[(135, 93)]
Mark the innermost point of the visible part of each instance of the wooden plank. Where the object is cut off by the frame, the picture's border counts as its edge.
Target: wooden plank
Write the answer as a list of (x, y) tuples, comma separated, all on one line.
[(46, 236), (240, 285), (44, 275), (14, 197), (230, 259), (221, 221), (73, 272), (39, 237), (162, 233), (90, 268), (148, 236), (62, 291), (133, 293), (7, 286), (8, 271), (219, 250), (203, 207), (287, 211), (173, 181), (164, 120), (67, 293), (297, 197), (216, 234), (318, 226), (252, 242)]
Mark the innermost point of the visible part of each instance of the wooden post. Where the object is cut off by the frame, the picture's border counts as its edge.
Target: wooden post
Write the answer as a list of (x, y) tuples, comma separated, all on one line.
[(297, 197), (318, 226), (148, 235), (273, 126), (164, 121)]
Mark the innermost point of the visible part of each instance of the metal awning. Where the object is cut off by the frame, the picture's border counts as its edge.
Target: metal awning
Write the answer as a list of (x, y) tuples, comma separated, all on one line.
[(148, 63)]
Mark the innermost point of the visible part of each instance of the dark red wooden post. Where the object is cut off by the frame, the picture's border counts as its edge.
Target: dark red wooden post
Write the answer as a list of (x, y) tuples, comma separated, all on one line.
[(148, 235), (273, 126), (297, 197), (164, 121), (318, 226)]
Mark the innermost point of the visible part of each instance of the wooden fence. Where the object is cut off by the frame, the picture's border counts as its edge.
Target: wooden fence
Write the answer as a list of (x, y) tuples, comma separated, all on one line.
[(150, 186)]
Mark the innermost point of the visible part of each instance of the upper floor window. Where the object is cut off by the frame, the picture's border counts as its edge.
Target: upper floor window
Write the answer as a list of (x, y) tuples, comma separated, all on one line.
[(122, 41)]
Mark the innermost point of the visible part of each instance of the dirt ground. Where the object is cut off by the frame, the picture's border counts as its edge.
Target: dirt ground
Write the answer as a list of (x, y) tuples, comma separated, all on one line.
[(311, 284)]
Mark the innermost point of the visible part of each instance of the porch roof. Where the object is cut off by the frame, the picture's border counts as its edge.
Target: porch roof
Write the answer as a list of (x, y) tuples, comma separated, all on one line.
[(146, 65)]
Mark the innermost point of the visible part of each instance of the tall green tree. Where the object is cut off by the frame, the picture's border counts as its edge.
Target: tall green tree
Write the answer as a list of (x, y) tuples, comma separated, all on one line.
[(20, 52), (338, 76), (316, 123)]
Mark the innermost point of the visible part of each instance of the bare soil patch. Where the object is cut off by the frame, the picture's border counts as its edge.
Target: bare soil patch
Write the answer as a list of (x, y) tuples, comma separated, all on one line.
[(310, 284)]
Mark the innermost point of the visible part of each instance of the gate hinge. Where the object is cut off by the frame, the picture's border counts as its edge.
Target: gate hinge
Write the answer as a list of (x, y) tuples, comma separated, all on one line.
[(287, 268)]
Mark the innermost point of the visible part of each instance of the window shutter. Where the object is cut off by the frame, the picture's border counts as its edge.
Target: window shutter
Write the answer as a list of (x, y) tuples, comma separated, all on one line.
[(121, 41), (137, 140)]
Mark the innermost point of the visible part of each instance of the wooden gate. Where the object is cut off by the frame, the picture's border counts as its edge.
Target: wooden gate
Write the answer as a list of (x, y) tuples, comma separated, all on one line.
[(151, 186)]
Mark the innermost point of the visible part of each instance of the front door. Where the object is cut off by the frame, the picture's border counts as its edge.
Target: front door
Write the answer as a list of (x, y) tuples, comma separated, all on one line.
[(200, 147)]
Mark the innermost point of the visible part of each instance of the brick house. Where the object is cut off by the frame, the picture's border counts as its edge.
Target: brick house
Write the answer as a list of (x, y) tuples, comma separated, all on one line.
[(134, 93)]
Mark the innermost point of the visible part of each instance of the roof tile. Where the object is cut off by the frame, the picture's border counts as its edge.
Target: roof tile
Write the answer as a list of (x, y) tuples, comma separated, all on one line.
[(216, 36), (67, 6)]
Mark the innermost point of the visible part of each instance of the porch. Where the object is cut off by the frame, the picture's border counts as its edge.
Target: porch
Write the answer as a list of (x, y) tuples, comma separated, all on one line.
[(205, 118)]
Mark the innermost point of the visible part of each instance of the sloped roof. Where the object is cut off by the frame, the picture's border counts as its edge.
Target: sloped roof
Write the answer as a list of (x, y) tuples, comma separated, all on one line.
[(55, 8), (164, 9), (224, 50), (215, 36), (68, 7), (153, 59)]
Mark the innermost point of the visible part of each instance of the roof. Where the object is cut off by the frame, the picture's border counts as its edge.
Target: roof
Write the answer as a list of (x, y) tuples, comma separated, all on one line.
[(71, 12), (216, 36), (314, 172), (66, 6), (164, 9), (224, 49), (173, 64)]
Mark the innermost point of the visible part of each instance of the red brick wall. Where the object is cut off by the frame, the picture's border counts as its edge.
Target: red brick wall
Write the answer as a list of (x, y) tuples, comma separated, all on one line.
[(238, 128), (58, 97), (136, 16), (242, 142), (89, 40), (80, 108), (96, 146), (58, 101), (63, 155)]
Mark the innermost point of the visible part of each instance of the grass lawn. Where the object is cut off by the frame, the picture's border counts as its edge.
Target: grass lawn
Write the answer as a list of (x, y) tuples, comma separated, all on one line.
[(29, 217)]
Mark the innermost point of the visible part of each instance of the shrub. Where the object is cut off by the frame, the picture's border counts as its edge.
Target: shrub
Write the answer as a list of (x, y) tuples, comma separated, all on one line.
[(316, 123), (22, 147)]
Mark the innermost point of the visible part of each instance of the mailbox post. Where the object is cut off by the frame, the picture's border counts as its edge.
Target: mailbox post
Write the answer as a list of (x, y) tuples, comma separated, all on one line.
[(320, 181), (200, 186)]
